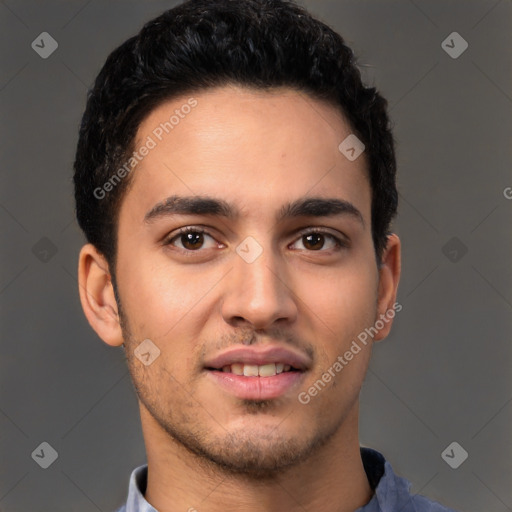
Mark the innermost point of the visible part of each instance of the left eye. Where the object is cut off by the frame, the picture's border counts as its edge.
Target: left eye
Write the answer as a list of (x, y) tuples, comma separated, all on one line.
[(191, 239), (315, 240)]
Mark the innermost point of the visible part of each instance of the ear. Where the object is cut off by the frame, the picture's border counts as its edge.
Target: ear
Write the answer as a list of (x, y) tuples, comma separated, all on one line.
[(97, 295), (389, 276)]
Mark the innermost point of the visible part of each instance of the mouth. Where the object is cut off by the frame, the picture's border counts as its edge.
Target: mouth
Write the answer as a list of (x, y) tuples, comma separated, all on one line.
[(254, 370), (256, 382), (258, 373), (264, 361)]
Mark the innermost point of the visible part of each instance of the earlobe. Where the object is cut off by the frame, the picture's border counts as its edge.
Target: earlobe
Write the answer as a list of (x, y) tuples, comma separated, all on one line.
[(389, 276), (97, 295)]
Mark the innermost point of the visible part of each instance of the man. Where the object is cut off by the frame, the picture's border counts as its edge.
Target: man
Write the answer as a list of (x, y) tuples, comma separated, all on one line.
[(236, 183)]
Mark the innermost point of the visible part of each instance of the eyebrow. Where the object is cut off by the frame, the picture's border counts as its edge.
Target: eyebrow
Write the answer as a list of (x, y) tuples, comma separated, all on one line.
[(206, 205)]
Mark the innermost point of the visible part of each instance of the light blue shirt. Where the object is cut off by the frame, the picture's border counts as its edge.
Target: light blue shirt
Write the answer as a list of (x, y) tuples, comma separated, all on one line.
[(391, 492)]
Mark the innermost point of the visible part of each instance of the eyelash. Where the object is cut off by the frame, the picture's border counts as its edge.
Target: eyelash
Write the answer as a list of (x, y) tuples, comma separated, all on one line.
[(340, 244)]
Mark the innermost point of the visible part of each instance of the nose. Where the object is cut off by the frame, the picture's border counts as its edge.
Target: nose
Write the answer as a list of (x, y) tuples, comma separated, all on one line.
[(259, 293)]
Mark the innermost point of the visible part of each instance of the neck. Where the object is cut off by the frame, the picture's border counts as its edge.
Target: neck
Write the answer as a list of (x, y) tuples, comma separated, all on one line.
[(332, 479)]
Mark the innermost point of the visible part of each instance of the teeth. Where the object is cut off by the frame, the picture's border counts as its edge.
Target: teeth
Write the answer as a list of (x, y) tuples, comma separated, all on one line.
[(250, 370), (253, 370), (267, 370), (237, 369)]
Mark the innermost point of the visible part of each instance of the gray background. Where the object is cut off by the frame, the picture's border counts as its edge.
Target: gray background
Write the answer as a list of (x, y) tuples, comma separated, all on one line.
[(443, 375)]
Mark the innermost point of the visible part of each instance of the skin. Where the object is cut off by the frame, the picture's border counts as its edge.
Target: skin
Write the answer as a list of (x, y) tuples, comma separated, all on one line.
[(206, 449)]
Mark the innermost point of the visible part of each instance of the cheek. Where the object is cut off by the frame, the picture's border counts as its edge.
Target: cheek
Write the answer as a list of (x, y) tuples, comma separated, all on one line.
[(343, 302), (344, 306), (157, 297)]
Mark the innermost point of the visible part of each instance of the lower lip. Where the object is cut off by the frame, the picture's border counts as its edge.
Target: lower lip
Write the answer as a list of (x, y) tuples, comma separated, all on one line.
[(256, 388)]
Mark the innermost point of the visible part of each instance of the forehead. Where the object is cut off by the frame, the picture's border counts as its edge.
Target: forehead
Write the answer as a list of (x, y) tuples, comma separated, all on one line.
[(253, 148)]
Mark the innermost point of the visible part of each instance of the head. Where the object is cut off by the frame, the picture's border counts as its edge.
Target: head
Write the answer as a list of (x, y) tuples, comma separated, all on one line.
[(228, 116)]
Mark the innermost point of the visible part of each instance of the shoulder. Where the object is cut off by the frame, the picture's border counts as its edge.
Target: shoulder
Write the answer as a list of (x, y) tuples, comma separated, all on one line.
[(422, 504), (399, 488), (391, 491)]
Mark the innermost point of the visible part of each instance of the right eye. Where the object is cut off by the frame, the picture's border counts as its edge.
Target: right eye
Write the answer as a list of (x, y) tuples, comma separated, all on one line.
[(191, 239)]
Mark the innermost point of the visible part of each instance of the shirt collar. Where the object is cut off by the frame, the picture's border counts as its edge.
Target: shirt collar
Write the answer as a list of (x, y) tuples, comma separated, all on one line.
[(391, 492), (136, 490)]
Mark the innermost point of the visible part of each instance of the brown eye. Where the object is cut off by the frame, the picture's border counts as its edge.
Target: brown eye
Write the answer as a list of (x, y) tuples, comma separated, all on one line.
[(190, 239), (314, 241), (320, 241)]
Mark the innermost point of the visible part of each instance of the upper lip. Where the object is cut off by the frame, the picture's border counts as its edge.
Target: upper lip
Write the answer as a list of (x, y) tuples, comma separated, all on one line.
[(259, 356)]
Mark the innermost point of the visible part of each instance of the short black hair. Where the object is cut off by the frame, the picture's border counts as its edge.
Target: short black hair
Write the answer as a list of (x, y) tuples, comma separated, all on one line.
[(201, 44)]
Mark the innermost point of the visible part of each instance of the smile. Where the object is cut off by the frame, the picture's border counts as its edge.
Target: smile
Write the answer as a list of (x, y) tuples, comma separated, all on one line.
[(254, 370), (256, 382)]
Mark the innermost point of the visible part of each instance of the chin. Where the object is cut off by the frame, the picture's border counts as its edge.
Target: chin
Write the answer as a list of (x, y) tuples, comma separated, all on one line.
[(263, 452), (256, 458)]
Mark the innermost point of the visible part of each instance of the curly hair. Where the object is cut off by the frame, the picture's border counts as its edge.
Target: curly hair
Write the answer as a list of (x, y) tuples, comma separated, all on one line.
[(201, 44)]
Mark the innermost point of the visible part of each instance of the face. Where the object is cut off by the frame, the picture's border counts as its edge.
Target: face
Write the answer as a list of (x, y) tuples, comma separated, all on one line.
[(245, 247)]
